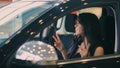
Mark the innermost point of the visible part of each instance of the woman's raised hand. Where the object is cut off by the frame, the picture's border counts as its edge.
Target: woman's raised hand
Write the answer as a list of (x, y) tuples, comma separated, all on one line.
[(58, 43)]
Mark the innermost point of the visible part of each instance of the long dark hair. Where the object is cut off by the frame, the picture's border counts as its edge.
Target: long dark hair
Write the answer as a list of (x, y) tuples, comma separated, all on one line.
[(91, 28)]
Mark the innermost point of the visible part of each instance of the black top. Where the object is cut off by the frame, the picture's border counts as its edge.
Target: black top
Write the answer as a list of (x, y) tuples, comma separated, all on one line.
[(74, 48)]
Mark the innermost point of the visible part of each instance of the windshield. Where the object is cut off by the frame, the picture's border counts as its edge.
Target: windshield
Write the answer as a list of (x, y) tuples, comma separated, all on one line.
[(17, 14)]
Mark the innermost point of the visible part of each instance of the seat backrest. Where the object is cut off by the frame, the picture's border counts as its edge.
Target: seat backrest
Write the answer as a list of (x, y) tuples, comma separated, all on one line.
[(67, 40), (107, 23)]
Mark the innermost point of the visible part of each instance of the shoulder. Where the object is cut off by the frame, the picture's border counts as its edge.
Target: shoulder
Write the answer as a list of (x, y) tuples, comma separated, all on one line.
[(99, 48), (99, 51)]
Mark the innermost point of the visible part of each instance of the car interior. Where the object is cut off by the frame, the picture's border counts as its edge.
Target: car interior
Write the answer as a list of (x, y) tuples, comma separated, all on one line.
[(66, 30)]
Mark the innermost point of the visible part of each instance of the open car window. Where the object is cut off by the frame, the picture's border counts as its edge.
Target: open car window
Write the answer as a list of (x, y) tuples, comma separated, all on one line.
[(106, 22), (65, 27)]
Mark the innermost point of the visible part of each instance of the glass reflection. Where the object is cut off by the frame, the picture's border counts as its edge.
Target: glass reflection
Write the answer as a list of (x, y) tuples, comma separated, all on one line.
[(36, 52)]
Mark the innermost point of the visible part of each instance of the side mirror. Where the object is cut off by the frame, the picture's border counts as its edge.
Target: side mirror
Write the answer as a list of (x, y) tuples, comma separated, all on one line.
[(38, 53)]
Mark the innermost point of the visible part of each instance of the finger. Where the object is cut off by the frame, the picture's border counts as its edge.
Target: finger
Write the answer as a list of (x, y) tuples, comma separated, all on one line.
[(88, 46), (55, 38), (85, 42), (57, 35), (83, 45), (81, 49), (55, 44)]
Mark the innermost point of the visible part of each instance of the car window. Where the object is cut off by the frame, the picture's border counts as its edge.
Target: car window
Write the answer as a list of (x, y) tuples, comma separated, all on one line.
[(65, 27), (107, 26), (28, 15), (6, 30)]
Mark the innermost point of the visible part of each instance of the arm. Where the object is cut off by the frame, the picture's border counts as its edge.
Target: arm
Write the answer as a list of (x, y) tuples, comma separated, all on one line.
[(59, 45), (64, 53)]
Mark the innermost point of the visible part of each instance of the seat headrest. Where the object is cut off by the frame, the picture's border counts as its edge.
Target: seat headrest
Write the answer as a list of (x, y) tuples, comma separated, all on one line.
[(70, 22)]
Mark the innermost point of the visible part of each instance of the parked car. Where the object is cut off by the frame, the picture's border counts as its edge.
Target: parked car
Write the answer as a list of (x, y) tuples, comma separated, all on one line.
[(30, 44)]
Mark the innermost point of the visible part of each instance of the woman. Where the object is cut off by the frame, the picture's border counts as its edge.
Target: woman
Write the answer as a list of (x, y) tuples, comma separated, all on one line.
[(86, 28)]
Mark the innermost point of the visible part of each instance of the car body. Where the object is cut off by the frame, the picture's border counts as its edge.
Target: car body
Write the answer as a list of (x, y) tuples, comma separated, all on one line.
[(37, 29)]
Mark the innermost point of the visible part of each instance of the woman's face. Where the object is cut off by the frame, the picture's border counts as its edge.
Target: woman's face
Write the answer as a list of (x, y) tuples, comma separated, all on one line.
[(78, 28)]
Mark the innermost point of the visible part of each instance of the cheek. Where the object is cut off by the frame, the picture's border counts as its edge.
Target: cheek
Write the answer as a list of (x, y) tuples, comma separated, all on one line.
[(80, 28), (80, 31)]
